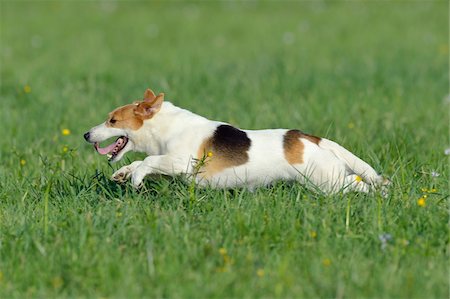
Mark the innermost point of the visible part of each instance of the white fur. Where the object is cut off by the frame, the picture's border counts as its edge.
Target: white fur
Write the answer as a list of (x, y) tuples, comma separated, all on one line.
[(173, 136)]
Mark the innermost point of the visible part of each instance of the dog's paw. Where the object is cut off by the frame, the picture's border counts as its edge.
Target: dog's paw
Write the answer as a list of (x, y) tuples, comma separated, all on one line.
[(124, 173), (384, 186), (121, 175), (381, 181), (384, 192), (386, 182)]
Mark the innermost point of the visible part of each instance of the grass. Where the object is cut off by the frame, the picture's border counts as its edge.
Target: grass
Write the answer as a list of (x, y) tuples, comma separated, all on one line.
[(371, 75)]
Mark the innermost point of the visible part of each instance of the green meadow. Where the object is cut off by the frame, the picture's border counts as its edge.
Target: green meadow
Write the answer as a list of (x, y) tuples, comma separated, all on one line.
[(371, 75)]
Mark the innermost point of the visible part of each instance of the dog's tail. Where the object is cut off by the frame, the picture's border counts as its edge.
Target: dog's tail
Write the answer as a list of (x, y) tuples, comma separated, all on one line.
[(358, 166)]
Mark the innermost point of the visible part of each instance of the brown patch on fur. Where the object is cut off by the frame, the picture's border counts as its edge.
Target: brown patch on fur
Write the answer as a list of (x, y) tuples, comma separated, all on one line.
[(293, 147), (312, 138), (228, 147), (125, 118)]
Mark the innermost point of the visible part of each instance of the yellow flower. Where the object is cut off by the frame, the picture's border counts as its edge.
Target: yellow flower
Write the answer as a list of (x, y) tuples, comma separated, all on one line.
[(210, 154), (118, 214), (27, 88), (443, 49), (313, 234), (260, 272), (223, 251), (57, 282), (65, 132), (421, 201), (65, 149), (227, 260), (358, 179), (404, 242), (433, 190), (351, 125), (23, 162), (326, 262), (424, 190)]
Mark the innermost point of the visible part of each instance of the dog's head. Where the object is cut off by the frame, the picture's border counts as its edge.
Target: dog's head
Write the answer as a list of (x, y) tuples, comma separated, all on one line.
[(124, 123)]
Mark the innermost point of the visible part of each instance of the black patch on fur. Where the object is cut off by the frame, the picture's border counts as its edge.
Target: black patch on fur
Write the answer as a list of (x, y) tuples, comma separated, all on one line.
[(231, 142)]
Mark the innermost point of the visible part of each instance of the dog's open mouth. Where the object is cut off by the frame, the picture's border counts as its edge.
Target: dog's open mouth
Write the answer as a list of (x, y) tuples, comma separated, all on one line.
[(114, 149)]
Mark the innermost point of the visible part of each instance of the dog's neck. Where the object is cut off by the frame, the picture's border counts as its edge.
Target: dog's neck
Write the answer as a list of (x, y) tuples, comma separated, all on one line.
[(166, 125)]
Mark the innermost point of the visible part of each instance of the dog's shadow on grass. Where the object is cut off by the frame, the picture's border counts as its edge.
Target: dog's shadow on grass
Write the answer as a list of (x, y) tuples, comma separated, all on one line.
[(162, 185), (152, 186), (156, 187)]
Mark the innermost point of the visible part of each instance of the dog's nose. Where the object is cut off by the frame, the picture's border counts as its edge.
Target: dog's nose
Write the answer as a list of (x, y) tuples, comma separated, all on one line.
[(86, 136)]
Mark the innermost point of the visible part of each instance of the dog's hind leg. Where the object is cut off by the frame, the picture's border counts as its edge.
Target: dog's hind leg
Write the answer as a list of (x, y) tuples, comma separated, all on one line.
[(355, 183)]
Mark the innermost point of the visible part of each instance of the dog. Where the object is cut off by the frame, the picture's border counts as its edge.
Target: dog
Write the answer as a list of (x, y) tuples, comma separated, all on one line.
[(216, 154)]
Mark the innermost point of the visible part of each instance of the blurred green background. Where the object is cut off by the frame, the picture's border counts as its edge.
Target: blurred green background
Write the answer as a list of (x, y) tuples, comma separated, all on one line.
[(371, 75)]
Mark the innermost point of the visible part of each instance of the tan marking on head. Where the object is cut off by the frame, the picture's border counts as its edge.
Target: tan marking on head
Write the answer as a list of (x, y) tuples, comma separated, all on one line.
[(228, 147), (132, 116), (293, 147), (125, 118)]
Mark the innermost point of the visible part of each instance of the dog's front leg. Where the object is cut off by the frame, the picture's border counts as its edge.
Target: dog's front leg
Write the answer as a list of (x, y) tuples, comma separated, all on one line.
[(164, 164)]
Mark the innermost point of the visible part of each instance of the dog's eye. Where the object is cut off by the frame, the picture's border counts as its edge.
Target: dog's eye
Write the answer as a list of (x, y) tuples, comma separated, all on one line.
[(112, 121)]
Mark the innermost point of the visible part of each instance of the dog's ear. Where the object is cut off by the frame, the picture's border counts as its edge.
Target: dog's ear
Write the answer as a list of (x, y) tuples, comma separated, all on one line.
[(149, 95), (147, 109)]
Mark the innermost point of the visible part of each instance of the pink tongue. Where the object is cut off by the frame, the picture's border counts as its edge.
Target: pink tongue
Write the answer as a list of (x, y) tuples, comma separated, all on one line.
[(105, 150)]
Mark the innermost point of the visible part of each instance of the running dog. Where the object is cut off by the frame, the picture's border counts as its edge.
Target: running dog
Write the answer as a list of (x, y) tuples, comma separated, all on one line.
[(219, 155)]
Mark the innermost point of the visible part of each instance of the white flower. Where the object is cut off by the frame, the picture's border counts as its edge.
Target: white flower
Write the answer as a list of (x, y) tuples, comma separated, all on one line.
[(384, 239), (435, 174), (447, 151)]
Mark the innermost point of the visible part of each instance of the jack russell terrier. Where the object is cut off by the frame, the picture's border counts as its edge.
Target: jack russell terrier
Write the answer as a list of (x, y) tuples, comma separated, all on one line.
[(219, 155)]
